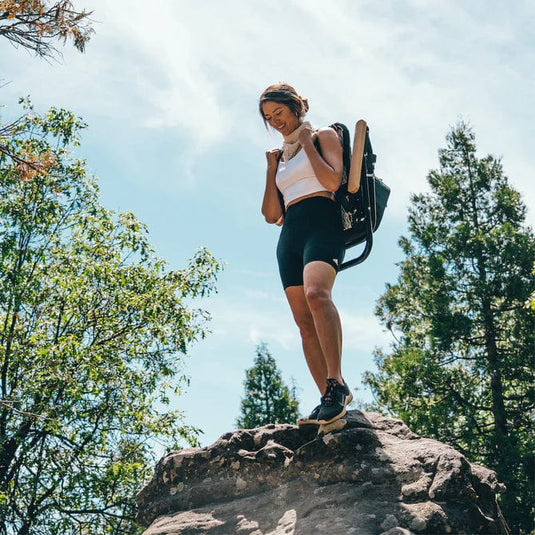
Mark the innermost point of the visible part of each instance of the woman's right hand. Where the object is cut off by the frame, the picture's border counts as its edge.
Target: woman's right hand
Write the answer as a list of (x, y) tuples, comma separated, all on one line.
[(272, 157)]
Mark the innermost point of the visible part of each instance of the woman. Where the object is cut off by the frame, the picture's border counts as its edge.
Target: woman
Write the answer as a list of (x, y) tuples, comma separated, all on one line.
[(310, 247)]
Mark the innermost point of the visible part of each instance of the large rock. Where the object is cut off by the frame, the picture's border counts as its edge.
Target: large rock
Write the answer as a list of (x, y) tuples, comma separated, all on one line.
[(375, 476)]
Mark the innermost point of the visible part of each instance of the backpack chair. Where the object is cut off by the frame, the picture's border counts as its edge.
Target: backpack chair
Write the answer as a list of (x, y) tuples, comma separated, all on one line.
[(362, 196)]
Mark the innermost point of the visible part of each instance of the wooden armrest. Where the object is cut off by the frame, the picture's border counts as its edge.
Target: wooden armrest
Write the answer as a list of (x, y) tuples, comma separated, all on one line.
[(353, 181)]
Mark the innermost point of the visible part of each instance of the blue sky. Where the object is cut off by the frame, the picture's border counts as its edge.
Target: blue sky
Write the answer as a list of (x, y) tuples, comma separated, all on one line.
[(170, 95)]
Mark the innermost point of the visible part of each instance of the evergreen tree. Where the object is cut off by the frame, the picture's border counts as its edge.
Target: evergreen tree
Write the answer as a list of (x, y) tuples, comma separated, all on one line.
[(267, 399), (461, 367)]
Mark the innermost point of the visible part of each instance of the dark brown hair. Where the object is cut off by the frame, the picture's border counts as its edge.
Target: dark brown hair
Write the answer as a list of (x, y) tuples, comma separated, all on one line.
[(284, 94)]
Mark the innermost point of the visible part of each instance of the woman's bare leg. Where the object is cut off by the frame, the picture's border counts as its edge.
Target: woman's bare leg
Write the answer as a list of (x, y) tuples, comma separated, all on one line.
[(318, 322), (318, 280), (311, 346)]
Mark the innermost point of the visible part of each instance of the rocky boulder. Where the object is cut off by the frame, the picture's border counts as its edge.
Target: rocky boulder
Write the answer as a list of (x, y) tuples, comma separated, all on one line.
[(373, 477)]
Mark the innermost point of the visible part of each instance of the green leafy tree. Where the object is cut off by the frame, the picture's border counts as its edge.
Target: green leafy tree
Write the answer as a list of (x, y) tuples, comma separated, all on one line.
[(267, 399), (37, 25), (461, 368), (92, 328)]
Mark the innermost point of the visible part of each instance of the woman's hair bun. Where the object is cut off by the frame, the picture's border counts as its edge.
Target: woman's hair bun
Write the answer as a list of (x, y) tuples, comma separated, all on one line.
[(285, 94)]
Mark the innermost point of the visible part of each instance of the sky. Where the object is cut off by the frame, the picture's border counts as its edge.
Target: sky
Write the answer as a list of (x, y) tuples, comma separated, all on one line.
[(170, 93)]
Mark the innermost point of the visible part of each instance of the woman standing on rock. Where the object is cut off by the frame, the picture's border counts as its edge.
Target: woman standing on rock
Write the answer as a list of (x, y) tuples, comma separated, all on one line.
[(310, 248)]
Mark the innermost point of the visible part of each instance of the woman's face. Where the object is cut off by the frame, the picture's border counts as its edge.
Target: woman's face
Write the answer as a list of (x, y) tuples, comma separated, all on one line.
[(280, 117)]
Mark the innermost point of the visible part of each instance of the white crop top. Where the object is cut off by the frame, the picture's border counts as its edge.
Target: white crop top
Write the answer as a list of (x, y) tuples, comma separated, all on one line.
[(295, 178)]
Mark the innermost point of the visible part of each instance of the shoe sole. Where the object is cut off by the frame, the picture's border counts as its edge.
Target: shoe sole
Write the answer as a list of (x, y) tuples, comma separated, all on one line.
[(341, 414), (334, 418), (305, 423), (337, 425)]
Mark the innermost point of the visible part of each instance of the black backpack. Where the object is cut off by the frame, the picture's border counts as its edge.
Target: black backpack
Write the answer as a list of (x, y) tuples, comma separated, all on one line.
[(363, 210)]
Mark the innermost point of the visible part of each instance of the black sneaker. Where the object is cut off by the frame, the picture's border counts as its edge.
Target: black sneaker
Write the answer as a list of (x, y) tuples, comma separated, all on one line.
[(334, 402), (312, 419), (349, 395)]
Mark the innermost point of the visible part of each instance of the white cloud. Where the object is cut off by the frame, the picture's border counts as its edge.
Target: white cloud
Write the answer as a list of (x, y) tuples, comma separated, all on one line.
[(189, 75), (254, 315), (411, 70), (362, 331)]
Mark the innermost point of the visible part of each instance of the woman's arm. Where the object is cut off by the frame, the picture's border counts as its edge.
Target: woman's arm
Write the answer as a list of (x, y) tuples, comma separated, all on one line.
[(271, 206), (328, 167)]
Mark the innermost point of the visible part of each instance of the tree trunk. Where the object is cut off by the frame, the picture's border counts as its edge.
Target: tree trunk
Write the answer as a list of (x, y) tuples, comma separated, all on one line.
[(496, 383)]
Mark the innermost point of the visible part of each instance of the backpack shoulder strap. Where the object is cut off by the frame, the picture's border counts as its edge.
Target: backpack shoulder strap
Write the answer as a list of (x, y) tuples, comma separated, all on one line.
[(345, 140)]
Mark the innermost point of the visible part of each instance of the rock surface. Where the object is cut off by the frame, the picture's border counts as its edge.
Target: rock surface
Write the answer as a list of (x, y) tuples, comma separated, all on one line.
[(373, 477)]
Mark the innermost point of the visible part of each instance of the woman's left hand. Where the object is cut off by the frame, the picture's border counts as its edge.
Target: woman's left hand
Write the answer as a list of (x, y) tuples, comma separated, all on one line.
[(307, 135)]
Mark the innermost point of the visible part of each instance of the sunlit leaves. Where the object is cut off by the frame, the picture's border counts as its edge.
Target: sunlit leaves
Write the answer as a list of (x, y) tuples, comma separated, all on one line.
[(93, 327)]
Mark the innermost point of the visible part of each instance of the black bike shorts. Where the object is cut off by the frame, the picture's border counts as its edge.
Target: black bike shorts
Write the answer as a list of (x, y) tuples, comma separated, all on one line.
[(312, 231)]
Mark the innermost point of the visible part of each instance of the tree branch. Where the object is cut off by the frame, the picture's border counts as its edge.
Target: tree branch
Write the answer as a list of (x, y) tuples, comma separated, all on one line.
[(31, 25)]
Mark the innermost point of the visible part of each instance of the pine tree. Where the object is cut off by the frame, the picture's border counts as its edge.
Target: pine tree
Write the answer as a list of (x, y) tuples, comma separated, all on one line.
[(461, 368), (267, 399)]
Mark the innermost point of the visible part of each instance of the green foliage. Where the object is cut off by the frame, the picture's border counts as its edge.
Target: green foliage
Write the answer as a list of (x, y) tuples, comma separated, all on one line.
[(267, 399), (461, 368), (531, 301), (92, 325), (38, 24)]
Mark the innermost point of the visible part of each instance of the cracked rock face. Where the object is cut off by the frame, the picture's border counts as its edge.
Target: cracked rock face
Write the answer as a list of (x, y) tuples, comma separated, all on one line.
[(373, 477)]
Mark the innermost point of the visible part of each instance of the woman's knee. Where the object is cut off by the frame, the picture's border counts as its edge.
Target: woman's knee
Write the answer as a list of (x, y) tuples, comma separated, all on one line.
[(317, 296)]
